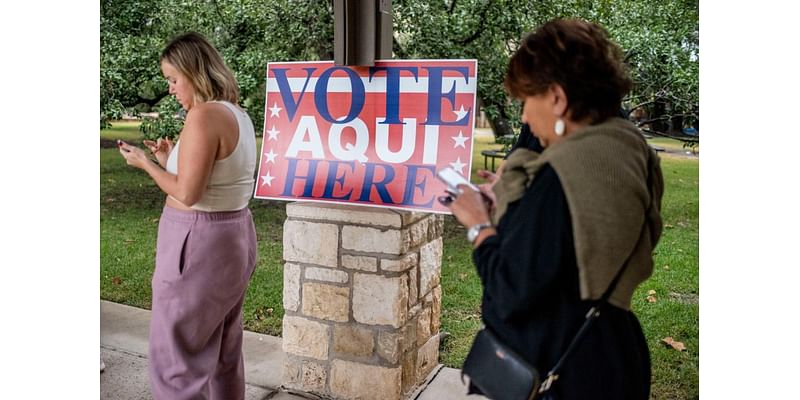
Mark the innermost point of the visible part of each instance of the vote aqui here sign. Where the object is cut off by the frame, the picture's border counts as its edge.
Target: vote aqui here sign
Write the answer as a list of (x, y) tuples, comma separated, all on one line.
[(372, 136)]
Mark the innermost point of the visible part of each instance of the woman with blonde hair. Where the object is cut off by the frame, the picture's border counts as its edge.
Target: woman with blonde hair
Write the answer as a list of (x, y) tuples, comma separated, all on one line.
[(206, 249)]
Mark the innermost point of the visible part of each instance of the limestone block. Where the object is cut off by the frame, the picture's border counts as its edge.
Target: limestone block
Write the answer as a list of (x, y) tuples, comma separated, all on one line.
[(313, 376), (424, 325), (292, 372), (378, 300), (390, 346), (436, 310), (305, 338), (353, 341), (311, 243), (409, 217), (400, 265), (430, 264), (410, 337), (369, 264), (326, 301), (345, 214), (413, 311), (326, 274), (413, 286), (352, 380), (416, 234), (409, 365), (291, 287), (305, 375), (371, 240), (427, 357)]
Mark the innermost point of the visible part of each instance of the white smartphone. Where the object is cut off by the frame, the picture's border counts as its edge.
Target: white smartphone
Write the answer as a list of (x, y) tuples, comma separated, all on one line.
[(452, 179)]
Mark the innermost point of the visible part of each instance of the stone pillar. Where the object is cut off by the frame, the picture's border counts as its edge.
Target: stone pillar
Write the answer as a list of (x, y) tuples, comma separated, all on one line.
[(362, 296)]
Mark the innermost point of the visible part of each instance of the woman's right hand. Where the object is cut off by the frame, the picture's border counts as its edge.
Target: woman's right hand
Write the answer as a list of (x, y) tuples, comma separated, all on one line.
[(160, 149), (488, 188)]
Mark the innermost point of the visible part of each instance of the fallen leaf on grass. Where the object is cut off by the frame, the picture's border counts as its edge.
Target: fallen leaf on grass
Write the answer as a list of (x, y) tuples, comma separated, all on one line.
[(669, 341), (154, 220), (666, 267), (651, 292), (116, 281), (651, 296), (462, 276), (269, 311), (668, 226)]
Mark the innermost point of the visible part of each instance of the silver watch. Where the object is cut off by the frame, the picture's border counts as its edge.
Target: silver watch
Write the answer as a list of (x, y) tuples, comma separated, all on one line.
[(474, 230)]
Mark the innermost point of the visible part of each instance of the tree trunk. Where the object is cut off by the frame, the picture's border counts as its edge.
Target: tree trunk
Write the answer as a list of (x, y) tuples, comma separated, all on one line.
[(500, 125), (659, 109), (677, 124)]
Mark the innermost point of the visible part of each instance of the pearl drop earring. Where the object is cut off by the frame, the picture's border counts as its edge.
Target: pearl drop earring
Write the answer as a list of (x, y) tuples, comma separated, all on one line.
[(560, 127)]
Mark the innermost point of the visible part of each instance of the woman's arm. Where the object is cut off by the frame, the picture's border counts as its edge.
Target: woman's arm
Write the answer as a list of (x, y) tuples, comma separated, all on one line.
[(198, 149), (520, 264)]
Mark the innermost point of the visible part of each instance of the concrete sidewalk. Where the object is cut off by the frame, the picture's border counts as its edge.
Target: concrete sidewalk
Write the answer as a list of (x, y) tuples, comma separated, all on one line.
[(123, 348)]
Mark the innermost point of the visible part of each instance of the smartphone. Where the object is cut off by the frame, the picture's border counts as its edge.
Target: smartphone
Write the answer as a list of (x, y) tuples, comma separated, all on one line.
[(452, 179)]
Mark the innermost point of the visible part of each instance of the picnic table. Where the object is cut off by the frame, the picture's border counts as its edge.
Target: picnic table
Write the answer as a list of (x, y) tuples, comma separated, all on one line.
[(491, 154)]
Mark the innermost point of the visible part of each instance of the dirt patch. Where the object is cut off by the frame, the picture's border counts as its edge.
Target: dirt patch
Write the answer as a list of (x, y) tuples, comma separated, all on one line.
[(689, 298)]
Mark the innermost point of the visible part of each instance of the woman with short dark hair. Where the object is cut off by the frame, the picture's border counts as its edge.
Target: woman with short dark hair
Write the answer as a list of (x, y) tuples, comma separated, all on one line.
[(566, 220)]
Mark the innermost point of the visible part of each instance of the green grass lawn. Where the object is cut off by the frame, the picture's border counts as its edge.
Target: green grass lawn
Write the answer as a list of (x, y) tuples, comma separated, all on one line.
[(130, 205), (125, 130)]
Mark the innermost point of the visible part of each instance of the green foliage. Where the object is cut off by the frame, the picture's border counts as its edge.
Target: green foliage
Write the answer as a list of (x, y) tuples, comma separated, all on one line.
[(660, 39), (167, 124)]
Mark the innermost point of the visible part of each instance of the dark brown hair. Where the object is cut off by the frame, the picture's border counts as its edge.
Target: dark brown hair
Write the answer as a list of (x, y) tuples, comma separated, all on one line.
[(577, 55), (202, 64)]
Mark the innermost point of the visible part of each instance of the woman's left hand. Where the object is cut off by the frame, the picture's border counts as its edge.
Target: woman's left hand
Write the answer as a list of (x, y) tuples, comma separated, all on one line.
[(134, 156), (470, 207)]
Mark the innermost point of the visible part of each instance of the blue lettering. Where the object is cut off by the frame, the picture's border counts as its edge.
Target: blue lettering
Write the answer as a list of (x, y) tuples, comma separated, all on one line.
[(369, 175), (412, 185), (393, 91), (356, 91), (291, 177), (435, 96), (333, 167), (286, 90)]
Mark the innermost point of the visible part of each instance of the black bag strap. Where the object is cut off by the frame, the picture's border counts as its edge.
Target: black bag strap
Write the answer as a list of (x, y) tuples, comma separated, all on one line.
[(591, 316), (594, 312)]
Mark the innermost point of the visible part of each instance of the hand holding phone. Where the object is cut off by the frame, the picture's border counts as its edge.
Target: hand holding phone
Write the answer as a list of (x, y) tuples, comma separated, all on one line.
[(453, 179)]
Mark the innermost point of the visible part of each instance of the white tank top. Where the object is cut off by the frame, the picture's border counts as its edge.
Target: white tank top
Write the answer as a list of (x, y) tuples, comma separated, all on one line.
[(230, 186)]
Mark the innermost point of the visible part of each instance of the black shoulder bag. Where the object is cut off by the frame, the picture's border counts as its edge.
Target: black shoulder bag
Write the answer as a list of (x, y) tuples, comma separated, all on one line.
[(501, 374)]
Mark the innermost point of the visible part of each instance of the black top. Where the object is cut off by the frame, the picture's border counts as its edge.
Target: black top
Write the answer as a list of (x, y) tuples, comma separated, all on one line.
[(531, 301), (526, 140)]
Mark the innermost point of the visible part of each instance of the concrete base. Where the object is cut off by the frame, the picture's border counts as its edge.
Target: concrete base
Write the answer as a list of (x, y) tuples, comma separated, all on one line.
[(123, 348)]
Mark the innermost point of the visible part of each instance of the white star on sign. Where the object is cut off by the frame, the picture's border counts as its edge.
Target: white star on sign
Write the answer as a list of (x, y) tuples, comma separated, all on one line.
[(460, 140), (273, 133), (270, 156), (460, 113), (267, 179), (273, 111), (458, 165)]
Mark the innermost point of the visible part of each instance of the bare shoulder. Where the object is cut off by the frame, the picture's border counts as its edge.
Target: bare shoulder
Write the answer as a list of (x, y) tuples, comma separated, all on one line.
[(210, 117), (209, 113)]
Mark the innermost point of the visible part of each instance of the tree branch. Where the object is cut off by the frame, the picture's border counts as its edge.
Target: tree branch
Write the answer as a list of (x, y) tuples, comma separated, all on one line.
[(398, 49), (685, 139), (475, 35)]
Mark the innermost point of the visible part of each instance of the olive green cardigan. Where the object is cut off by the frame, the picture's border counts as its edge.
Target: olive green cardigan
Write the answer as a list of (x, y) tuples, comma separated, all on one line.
[(613, 184)]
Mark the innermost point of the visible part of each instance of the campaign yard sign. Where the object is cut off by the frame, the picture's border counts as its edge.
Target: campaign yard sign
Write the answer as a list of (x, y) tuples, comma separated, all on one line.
[(373, 136)]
